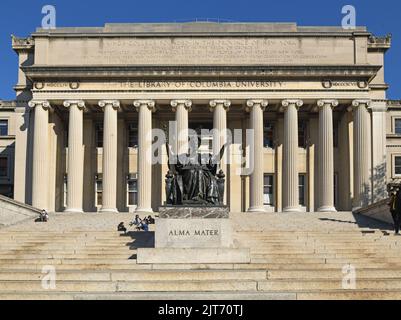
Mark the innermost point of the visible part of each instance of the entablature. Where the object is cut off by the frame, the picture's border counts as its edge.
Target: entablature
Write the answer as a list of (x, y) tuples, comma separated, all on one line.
[(335, 72)]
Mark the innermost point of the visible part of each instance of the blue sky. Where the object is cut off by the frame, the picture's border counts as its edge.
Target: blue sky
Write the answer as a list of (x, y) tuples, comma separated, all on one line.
[(23, 16)]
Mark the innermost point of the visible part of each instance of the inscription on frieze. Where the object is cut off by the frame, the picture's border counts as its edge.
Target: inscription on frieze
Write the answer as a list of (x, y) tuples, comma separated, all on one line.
[(202, 51), (202, 84), (154, 85)]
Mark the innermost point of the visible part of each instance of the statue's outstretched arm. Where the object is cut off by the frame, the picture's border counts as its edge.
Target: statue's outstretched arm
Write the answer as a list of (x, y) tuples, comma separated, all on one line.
[(217, 158), (170, 155)]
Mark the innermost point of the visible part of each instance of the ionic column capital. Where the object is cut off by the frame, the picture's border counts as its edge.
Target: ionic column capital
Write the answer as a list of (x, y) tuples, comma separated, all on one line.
[(359, 103), (114, 103), (292, 102), (214, 103), (251, 103), (186, 103), (42, 103), (330, 102), (150, 104), (79, 103)]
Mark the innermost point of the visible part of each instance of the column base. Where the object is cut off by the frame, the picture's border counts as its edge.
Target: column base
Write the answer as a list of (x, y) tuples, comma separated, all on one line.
[(73, 210), (144, 210), (327, 209), (292, 209), (108, 210), (257, 209)]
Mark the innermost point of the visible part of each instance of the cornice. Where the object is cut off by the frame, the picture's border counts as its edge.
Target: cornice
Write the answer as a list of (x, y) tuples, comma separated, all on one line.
[(379, 43), (206, 28), (20, 44), (200, 34), (7, 105), (45, 73)]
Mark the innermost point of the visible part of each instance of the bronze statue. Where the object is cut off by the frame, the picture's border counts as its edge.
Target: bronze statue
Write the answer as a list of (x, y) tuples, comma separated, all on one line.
[(193, 179)]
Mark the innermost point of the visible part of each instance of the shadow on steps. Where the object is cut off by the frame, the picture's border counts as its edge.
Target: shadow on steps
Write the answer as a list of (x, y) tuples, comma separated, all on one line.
[(140, 239), (363, 222)]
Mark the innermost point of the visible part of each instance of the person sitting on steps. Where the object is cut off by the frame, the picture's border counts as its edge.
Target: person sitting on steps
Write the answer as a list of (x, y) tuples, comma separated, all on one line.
[(43, 216), (139, 224)]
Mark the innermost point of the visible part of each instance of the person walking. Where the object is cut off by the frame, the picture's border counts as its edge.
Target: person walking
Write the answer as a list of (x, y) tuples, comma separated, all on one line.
[(395, 208)]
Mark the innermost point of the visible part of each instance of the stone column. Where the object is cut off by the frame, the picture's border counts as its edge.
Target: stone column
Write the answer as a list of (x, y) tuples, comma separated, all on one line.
[(220, 109), (290, 156), (326, 155), (362, 181), (145, 109), (181, 109), (379, 174), (40, 166), (22, 119), (75, 156), (256, 109), (109, 166)]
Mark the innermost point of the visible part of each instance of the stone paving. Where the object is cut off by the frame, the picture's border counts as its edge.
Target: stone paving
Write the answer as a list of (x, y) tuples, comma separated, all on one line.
[(241, 222)]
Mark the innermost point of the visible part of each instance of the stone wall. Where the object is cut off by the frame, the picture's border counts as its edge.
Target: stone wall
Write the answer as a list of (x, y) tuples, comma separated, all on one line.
[(12, 212), (378, 211)]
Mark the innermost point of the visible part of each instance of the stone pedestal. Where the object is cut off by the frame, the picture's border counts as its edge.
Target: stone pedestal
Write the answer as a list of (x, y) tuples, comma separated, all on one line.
[(193, 234), (193, 227)]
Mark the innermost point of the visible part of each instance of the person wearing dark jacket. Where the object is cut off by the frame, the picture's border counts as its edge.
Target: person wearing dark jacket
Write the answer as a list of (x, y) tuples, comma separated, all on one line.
[(395, 209)]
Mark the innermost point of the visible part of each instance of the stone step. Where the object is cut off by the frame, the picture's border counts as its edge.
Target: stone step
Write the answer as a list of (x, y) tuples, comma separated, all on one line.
[(130, 254), (318, 243), (289, 260), (183, 295), (361, 260), (154, 275), (67, 261), (293, 232), (229, 295), (69, 267), (67, 242), (132, 286), (336, 273), (66, 256), (72, 247), (75, 251), (351, 295), (44, 254), (294, 285), (310, 237), (339, 260), (259, 266), (333, 255), (274, 266)]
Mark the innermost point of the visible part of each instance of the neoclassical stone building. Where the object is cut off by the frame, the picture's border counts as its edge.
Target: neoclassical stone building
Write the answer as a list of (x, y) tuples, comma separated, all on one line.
[(75, 138)]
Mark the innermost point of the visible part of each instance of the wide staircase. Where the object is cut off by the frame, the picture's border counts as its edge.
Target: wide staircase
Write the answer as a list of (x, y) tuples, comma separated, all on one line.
[(293, 256)]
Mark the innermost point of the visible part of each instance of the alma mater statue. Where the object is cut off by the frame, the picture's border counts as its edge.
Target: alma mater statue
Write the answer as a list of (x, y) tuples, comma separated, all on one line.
[(193, 179)]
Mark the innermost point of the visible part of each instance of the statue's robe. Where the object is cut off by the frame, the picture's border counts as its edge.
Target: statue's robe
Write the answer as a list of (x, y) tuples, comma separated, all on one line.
[(198, 180)]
